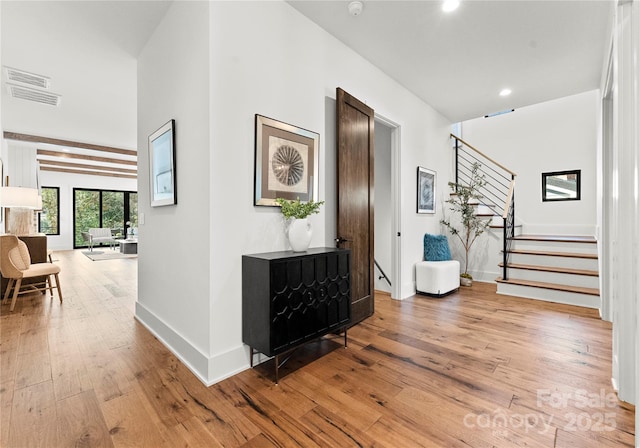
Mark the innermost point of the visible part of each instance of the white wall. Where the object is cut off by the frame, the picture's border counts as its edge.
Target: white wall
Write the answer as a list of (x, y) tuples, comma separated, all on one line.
[(255, 67), (383, 210), (174, 249), (556, 135)]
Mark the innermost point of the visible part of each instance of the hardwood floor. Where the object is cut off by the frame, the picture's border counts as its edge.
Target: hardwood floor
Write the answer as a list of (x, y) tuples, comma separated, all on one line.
[(473, 369)]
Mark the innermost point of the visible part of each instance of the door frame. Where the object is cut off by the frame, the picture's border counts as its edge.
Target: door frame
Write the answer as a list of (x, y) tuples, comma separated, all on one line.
[(396, 199), (605, 237)]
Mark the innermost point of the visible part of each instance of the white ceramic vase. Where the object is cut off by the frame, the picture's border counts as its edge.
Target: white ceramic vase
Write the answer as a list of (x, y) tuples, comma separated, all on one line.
[(299, 234)]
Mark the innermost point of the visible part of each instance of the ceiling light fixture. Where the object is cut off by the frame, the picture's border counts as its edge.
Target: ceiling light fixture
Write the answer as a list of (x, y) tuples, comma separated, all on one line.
[(450, 5), (355, 8), (505, 92)]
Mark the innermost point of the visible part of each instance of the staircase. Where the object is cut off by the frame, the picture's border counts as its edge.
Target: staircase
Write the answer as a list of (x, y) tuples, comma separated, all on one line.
[(554, 268)]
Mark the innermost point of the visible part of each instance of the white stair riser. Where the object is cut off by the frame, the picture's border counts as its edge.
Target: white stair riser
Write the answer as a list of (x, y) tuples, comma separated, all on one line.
[(483, 209), (549, 295), (584, 281), (563, 262), (560, 246), (498, 231)]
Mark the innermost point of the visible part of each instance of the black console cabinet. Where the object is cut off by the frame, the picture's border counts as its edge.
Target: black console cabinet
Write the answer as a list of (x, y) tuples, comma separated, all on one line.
[(289, 298)]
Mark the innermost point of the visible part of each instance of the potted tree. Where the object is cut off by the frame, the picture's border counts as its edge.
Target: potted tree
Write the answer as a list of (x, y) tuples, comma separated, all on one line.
[(471, 226), (299, 228)]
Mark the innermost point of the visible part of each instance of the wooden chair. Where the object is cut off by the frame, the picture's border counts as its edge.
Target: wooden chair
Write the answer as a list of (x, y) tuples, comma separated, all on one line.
[(15, 265)]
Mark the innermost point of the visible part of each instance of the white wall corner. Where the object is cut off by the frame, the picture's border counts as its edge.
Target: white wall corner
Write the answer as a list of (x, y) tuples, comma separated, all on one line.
[(208, 369), (227, 364), (195, 360)]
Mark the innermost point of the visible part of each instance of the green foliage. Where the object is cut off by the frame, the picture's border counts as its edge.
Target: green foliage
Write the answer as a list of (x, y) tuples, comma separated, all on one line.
[(297, 209), (88, 212), (471, 226), (49, 215), (87, 208)]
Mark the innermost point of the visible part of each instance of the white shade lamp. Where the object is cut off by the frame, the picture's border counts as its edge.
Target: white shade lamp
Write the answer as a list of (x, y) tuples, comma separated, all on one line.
[(21, 202)]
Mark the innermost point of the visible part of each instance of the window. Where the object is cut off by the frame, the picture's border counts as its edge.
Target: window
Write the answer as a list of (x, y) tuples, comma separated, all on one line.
[(103, 208), (561, 186), (48, 217)]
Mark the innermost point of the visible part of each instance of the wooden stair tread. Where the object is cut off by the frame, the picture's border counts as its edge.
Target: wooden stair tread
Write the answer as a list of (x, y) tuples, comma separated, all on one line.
[(531, 267), (553, 286), (554, 254), (557, 238), (501, 226)]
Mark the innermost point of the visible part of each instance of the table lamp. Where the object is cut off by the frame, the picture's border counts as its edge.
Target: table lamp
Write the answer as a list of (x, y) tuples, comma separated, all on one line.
[(21, 202)]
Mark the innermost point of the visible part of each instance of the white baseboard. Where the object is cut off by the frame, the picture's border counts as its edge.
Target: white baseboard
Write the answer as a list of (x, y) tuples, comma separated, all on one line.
[(227, 364), (208, 369)]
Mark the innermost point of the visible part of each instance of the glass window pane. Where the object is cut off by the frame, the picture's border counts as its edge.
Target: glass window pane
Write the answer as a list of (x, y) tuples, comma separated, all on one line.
[(133, 212), (107, 209), (561, 186), (87, 213), (133, 209), (113, 211), (48, 217)]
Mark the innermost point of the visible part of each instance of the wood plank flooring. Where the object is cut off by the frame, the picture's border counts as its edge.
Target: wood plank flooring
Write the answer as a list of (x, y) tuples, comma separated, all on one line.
[(473, 369)]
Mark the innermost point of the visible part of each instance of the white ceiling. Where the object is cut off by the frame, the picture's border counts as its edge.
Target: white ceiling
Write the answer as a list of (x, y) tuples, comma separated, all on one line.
[(128, 24), (460, 61)]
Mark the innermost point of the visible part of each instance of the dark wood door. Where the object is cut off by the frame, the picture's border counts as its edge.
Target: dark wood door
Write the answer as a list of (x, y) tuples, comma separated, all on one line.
[(355, 197)]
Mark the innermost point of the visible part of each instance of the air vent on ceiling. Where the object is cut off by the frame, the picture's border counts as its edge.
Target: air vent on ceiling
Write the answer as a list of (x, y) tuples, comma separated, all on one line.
[(27, 78), (38, 96)]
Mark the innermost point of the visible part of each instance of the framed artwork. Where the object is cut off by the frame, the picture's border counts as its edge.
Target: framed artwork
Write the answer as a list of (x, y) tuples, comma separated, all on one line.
[(286, 162), (162, 165), (426, 191)]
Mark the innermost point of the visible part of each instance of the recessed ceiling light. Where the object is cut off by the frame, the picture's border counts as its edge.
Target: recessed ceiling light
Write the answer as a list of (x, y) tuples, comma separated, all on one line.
[(450, 5), (505, 92)]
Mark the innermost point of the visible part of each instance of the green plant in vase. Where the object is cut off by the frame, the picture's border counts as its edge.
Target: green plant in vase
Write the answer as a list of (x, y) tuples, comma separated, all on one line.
[(299, 229), (463, 204), (298, 210)]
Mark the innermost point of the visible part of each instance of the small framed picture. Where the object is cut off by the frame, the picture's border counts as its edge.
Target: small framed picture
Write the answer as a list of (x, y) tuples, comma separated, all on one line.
[(286, 162), (162, 164), (426, 191)]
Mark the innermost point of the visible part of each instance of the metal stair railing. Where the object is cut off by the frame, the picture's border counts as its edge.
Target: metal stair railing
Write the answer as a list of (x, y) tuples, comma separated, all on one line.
[(498, 194), (382, 272)]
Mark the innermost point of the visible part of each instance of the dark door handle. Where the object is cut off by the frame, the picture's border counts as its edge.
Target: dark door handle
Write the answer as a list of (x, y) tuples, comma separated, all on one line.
[(341, 240)]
